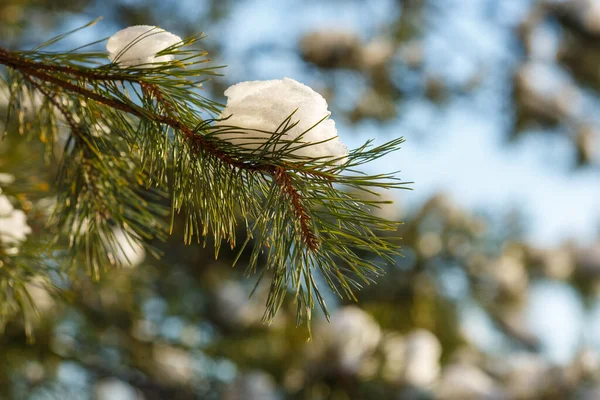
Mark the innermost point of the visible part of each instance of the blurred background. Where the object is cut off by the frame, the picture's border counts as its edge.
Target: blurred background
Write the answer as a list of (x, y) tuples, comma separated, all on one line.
[(497, 295)]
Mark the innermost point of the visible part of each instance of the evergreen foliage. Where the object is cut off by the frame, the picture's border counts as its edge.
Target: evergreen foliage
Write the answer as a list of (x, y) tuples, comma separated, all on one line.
[(140, 138)]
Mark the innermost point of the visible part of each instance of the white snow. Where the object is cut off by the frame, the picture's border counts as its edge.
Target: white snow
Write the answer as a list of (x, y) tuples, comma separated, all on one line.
[(6, 208), (6, 179), (138, 45), (13, 225), (264, 105)]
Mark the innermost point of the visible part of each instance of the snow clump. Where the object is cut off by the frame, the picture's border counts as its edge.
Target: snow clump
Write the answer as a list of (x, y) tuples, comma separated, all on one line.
[(138, 45), (260, 107)]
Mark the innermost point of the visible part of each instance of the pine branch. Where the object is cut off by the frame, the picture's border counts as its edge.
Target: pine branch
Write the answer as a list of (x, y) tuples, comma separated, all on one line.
[(296, 209), (197, 141)]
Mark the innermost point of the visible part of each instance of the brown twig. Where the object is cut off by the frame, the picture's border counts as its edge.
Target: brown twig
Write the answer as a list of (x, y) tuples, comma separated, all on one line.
[(52, 98), (287, 188), (76, 129)]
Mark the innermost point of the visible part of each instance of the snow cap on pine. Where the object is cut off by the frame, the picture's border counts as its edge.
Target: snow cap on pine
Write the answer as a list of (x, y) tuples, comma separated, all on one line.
[(138, 45), (259, 108)]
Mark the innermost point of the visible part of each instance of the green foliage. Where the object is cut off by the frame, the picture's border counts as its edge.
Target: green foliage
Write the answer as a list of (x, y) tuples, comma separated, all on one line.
[(137, 139)]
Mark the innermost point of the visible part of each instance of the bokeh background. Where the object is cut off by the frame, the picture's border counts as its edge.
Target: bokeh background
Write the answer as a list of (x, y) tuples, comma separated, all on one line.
[(497, 295)]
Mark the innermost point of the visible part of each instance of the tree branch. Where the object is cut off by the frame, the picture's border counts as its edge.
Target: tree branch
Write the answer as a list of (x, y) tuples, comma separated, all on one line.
[(279, 174)]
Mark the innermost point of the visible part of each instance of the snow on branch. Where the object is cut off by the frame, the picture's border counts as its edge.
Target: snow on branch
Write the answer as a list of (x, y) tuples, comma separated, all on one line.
[(272, 161), (260, 106), (139, 45)]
